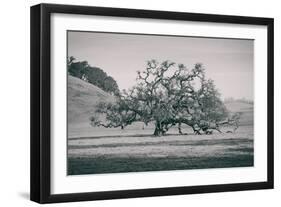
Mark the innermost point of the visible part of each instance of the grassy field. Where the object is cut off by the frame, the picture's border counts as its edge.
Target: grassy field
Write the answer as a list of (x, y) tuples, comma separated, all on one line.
[(134, 153)]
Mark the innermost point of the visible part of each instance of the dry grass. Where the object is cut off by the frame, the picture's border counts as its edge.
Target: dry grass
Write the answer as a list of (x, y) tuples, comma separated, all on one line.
[(171, 152)]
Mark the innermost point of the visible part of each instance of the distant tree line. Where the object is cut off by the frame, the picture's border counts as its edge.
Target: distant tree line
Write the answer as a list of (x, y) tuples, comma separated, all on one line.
[(241, 100), (93, 75)]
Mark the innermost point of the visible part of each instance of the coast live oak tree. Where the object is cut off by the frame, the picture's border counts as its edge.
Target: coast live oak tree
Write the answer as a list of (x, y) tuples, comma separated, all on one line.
[(167, 94)]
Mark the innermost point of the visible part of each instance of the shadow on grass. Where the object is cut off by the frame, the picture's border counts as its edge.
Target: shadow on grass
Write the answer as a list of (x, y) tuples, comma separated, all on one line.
[(226, 142), (125, 135), (86, 165)]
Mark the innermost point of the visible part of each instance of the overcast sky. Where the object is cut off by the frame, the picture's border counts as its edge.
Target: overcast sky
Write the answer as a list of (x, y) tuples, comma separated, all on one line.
[(229, 62)]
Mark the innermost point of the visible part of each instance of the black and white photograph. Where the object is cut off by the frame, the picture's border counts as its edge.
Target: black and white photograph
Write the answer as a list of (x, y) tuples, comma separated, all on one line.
[(147, 102), (143, 102)]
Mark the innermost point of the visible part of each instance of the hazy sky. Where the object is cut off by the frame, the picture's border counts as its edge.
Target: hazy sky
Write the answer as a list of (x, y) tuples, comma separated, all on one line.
[(229, 62)]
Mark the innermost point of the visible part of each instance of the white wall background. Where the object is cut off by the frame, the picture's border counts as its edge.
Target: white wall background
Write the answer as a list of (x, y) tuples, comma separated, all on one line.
[(14, 104)]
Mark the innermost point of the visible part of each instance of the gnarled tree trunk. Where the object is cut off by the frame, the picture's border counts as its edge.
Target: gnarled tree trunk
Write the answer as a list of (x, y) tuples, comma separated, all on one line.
[(159, 129)]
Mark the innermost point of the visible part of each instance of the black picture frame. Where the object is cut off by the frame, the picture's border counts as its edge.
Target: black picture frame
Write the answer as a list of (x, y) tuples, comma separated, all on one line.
[(40, 176)]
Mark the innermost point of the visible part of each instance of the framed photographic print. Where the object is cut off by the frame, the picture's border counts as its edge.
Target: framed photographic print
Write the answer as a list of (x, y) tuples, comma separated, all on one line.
[(133, 103)]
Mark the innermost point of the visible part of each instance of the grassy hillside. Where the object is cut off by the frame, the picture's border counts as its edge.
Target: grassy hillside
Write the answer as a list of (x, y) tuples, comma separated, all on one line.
[(82, 100), (247, 110)]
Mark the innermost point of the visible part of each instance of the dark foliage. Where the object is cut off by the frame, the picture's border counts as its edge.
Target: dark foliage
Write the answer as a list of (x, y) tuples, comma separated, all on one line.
[(93, 75)]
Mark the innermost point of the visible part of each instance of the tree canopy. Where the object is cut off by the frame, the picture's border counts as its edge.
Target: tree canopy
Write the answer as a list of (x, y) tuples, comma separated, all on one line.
[(167, 94)]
